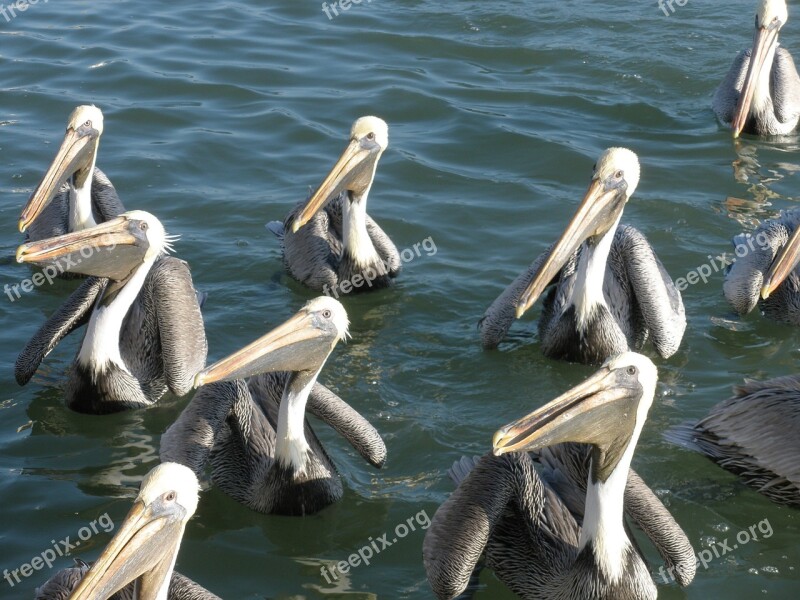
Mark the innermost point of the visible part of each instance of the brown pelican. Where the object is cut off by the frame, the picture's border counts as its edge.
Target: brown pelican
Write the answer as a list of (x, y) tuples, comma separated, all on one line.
[(145, 332), (138, 562), (73, 194), (253, 431), (528, 529), (761, 92), (330, 243), (764, 271), (756, 435), (610, 291)]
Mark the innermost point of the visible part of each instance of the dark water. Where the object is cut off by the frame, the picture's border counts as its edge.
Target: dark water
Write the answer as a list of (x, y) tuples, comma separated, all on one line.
[(218, 118)]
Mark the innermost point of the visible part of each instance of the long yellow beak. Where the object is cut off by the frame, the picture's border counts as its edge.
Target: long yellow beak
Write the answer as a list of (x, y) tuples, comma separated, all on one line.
[(301, 343), (349, 171), (144, 546), (74, 154), (597, 213), (763, 44), (784, 263)]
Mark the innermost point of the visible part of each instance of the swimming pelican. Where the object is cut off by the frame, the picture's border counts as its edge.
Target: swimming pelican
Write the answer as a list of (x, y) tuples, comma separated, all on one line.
[(330, 243), (253, 431), (527, 529), (761, 92), (610, 291), (73, 194), (754, 434), (138, 562), (145, 332), (765, 272)]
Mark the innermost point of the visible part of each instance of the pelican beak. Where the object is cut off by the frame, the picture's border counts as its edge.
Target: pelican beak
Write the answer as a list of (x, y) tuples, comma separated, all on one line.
[(597, 213), (144, 547), (112, 249), (764, 43), (600, 411), (300, 344), (785, 262), (353, 171), (74, 156)]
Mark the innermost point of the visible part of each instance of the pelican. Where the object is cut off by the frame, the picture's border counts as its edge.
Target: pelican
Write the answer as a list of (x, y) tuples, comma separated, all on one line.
[(754, 434), (330, 243), (764, 271), (527, 529), (761, 92), (145, 332), (73, 194), (253, 431), (138, 562), (610, 292)]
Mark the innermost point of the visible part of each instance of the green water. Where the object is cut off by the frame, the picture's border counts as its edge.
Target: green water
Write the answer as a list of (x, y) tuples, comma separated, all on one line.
[(218, 116)]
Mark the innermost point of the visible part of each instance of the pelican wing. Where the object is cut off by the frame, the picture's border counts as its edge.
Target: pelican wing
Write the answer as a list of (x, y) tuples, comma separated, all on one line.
[(498, 318), (385, 247), (190, 439), (73, 313), (311, 254), (785, 85), (348, 423), (180, 322), (726, 96), (658, 299), (653, 518)]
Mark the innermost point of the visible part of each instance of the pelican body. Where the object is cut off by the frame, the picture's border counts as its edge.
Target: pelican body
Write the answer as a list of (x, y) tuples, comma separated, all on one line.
[(609, 292), (139, 562), (761, 92), (755, 435), (765, 272), (73, 194), (330, 243), (144, 332), (248, 418), (546, 535)]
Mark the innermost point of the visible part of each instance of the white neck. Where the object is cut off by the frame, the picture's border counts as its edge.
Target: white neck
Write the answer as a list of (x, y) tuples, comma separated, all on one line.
[(80, 202), (588, 291), (357, 242), (762, 98), (291, 447), (101, 344)]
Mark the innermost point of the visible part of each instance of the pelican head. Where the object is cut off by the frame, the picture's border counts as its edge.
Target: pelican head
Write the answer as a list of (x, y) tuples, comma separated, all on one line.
[(146, 545), (355, 169), (771, 16), (614, 180), (608, 411), (113, 249), (303, 343), (75, 159)]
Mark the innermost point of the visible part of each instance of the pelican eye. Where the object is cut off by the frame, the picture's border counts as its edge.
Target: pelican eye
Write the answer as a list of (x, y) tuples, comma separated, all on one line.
[(619, 174), (370, 136), (143, 226), (326, 314), (87, 124), (170, 496), (632, 370)]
